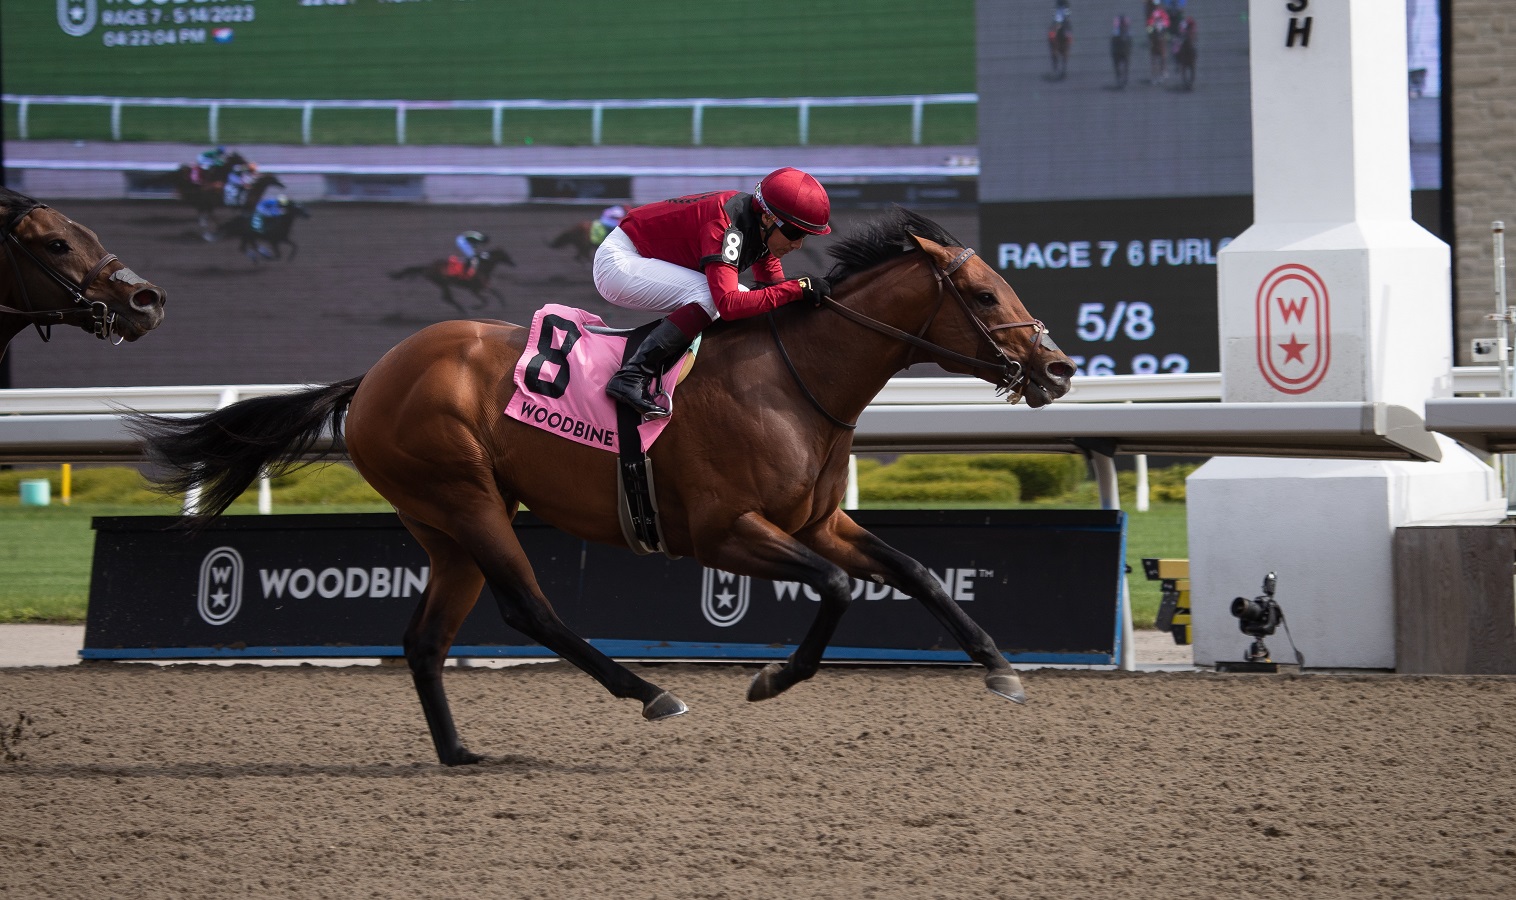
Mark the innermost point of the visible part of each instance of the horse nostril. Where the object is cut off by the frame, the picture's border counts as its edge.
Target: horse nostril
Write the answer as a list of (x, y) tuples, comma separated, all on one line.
[(1060, 371), (148, 298)]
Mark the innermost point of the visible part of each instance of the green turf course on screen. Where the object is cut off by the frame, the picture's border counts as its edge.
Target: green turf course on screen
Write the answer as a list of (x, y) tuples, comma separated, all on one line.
[(489, 50)]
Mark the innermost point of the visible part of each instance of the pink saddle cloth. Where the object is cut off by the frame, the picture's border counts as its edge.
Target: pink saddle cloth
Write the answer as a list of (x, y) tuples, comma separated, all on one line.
[(561, 377)]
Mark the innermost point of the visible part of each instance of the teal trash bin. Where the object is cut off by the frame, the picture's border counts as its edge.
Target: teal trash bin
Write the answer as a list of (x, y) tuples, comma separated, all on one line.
[(36, 492)]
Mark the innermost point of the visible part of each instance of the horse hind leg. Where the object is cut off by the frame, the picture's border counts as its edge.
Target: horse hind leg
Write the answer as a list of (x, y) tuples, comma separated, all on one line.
[(493, 544), (450, 594)]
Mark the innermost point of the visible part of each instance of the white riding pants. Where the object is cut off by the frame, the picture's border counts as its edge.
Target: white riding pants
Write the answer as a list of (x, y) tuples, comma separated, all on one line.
[(628, 279)]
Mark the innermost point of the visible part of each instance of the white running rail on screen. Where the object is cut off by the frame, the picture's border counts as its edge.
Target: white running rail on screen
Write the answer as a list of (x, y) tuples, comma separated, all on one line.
[(916, 103)]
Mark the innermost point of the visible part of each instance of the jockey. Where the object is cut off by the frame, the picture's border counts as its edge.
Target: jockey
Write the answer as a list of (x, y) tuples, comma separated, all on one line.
[(206, 161), (468, 244), (683, 257), (269, 208), (610, 217), (237, 183), (273, 206)]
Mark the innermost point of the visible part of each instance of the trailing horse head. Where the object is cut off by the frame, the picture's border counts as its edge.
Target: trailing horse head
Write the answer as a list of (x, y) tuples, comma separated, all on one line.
[(60, 274)]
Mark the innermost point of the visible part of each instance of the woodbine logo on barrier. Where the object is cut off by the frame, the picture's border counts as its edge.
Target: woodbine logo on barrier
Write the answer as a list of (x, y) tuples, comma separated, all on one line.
[(335, 585)]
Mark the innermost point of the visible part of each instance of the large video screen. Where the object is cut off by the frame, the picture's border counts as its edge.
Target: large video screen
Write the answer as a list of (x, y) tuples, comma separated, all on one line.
[(307, 92), (1102, 195), (1115, 147)]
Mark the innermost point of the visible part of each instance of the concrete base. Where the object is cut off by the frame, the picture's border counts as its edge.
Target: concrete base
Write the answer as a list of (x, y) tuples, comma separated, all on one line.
[(1327, 528)]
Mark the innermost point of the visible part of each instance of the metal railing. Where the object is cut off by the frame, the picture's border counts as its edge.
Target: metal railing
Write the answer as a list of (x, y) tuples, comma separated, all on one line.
[(916, 103), (942, 391)]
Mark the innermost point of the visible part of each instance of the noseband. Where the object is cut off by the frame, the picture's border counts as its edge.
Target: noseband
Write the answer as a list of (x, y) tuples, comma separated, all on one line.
[(1012, 379), (103, 318)]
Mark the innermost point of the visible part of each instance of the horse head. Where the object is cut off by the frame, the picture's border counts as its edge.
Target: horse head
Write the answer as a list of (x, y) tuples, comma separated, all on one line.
[(60, 273), (495, 257), (990, 317)]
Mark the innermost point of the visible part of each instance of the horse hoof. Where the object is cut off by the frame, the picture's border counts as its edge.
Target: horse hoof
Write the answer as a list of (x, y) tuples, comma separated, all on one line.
[(766, 683), (664, 706), (1007, 685), (461, 757)]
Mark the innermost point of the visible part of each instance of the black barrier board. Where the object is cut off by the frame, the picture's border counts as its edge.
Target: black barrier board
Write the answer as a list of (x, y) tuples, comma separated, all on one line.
[(1045, 583)]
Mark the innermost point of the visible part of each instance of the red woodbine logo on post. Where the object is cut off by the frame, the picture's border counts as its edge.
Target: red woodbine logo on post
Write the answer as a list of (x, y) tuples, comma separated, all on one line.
[(1294, 329)]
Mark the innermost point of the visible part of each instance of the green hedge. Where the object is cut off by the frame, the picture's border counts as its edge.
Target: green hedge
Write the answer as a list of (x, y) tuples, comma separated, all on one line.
[(988, 478), (318, 485)]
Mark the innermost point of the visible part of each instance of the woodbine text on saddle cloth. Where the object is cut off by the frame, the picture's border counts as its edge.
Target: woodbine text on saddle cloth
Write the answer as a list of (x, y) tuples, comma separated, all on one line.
[(560, 379)]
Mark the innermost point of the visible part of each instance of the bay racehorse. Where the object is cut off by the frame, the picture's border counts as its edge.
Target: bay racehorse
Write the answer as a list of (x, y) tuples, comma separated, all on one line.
[(53, 271), (442, 273), (261, 236), (207, 193), (751, 469), (1060, 37)]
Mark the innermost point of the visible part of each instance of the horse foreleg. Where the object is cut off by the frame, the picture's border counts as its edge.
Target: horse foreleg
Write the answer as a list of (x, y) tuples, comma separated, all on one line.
[(490, 540), (755, 546), (451, 591), (863, 555), (447, 296)]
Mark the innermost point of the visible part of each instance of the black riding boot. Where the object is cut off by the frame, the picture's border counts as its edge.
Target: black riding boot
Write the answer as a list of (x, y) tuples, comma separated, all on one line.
[(632, 381)]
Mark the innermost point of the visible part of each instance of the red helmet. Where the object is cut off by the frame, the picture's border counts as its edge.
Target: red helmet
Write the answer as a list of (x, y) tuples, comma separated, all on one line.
[(796, 198)]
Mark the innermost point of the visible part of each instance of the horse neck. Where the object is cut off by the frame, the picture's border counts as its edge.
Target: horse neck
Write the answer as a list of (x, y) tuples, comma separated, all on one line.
[(10, 325), (845, 364), (257, 190)]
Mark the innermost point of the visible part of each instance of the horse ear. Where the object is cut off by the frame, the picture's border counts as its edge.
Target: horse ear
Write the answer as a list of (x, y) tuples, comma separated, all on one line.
[(933, 249)]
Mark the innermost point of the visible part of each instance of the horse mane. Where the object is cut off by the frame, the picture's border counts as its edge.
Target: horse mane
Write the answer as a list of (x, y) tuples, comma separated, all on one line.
[(880, 240), (883, 239)]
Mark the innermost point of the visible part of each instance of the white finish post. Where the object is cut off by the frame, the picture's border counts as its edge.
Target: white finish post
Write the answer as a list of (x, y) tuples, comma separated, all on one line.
[(804, 113), (597, 119), (265, 496), (1110, 498), (1503, 324), (215, 123), (21, 115), (916, 110), (400, 123), (697, 119), (497, 129), (306, 112), (1141, 460), (116, 121), (1334, 293)]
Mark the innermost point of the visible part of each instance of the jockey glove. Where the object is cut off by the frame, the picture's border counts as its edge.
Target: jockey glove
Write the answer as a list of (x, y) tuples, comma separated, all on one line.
[(813, 288)]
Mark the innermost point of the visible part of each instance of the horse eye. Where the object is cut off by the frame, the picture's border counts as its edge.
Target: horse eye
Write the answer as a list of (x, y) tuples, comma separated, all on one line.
[(988, 298), (58, 246)]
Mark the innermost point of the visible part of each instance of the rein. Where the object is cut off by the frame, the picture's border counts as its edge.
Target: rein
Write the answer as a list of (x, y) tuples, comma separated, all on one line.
[(103, 318), (1012, 380)]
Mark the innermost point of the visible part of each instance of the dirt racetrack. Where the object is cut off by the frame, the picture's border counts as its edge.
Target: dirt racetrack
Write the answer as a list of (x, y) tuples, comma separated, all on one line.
[(202, 781)]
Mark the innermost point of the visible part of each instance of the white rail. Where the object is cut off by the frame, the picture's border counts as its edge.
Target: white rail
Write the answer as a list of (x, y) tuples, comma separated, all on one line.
[(917, 104), (949, 391)]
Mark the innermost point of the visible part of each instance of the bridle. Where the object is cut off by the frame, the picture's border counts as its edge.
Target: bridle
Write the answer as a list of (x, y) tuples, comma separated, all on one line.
[(103, 318), (1012, 380)]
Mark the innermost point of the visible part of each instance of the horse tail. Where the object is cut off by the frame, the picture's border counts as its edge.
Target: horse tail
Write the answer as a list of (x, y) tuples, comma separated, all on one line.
[(223, 452)]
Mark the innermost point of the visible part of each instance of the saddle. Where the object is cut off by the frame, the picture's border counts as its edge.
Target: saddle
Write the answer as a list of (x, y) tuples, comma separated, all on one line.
[(560, 388), (457, 267)]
